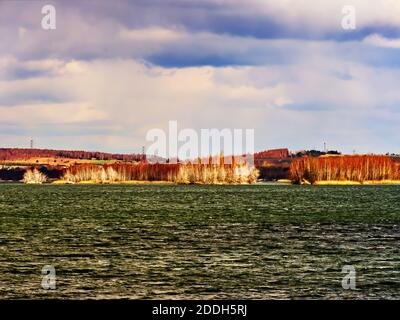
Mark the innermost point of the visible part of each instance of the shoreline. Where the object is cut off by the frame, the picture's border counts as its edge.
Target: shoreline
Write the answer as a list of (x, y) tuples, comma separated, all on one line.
[(91, 182), (112, 182), (159, 182), (354, 183)]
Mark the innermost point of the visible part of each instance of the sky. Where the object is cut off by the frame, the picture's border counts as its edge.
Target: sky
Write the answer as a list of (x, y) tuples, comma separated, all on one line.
[(113, 70)]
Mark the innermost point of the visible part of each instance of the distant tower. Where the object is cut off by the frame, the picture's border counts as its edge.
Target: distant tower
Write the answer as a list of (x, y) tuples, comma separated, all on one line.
[(325, 147), (31, 143), (143, 154)]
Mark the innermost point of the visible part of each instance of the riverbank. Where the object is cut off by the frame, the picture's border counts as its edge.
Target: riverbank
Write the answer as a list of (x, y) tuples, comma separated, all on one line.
[(348, 182), (93, 182), (112, 182), (278, 182)]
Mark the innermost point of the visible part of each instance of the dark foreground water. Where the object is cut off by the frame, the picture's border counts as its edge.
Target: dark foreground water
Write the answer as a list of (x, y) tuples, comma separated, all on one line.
[(167, 241)]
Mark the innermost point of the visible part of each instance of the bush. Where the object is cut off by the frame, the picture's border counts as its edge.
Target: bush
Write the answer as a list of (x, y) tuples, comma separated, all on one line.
[(178, 173), (344, 168), (34, 177)]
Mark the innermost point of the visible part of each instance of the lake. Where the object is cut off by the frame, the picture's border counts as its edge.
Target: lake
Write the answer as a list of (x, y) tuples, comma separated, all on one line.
[(199, 241)]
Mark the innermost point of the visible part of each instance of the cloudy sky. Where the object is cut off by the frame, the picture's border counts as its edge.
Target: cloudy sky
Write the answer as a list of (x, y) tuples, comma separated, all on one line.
[(112, 70)]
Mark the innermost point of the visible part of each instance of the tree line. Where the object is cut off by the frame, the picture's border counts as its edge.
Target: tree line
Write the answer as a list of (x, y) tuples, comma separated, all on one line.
[(345, 168), (23, 154)]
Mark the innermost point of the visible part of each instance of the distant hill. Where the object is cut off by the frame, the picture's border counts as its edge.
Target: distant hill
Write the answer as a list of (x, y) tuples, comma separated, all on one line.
[(13, 154), (274, 154)]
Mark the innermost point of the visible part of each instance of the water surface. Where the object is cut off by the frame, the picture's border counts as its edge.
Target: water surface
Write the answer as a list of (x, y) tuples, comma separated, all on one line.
[(186, 242)]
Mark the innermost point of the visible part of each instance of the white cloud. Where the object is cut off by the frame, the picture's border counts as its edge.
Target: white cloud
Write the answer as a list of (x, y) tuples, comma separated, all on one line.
[(98, 35), (296, 106), (380, 41), (50, 114), (319, 17), (153, 34), (295, 93)]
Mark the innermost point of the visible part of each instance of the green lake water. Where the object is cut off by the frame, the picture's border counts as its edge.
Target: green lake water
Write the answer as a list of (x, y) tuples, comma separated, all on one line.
[(199, 242)]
